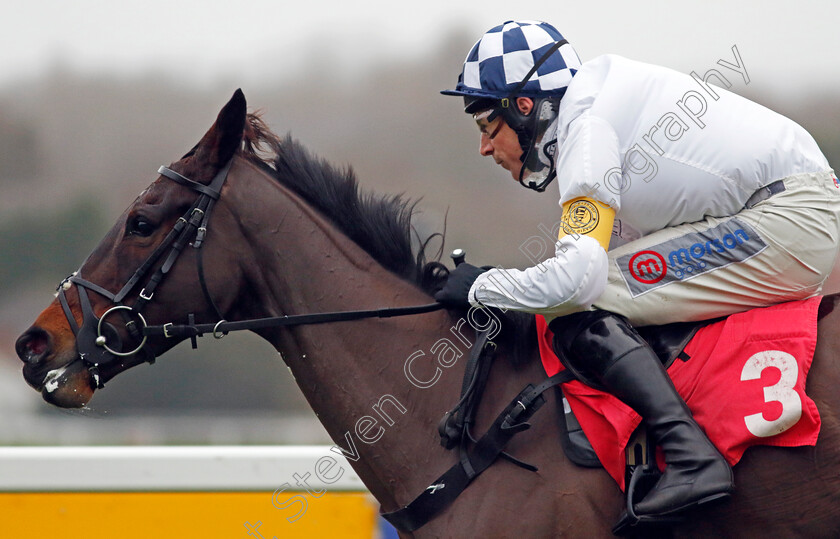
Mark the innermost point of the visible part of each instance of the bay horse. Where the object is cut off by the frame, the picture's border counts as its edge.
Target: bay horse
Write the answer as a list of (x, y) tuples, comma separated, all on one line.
[(290, 234)]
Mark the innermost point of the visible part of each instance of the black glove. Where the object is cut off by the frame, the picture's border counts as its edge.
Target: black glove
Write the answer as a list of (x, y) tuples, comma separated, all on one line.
[(457, 288)]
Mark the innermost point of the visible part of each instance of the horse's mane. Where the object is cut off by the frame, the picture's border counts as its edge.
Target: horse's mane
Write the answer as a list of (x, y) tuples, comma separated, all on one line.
[(379, 224)]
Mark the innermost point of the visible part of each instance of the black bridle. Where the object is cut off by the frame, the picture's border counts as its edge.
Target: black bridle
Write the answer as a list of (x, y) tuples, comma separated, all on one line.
[(99, 343)]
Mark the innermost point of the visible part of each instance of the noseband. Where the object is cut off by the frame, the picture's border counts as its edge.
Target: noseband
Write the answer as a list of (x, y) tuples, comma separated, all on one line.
[(97, 341)]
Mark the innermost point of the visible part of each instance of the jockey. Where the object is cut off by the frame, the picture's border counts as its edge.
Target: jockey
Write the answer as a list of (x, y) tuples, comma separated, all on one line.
[(712, 205)]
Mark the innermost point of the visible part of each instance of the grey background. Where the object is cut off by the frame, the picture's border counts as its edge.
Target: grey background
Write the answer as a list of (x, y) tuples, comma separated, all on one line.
[(95, 95)]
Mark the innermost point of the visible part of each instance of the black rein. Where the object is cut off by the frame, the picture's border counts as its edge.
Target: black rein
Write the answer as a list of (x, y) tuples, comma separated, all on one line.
[(222, 327)]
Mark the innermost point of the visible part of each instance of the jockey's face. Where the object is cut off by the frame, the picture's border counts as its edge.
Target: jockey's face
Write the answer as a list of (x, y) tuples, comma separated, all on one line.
[(499, 141)]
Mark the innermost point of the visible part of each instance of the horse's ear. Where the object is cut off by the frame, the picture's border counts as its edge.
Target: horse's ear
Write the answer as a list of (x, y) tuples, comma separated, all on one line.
[(225, 136)]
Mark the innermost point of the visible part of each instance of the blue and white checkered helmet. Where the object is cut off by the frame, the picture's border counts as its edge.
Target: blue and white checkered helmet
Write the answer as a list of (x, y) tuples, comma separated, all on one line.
[(499, 62)]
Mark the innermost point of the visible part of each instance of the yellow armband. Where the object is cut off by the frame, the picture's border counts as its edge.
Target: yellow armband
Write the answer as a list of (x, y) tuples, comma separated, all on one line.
[(588, 217)]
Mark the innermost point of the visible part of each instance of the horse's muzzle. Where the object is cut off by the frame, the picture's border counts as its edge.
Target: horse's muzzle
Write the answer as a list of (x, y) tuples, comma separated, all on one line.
[(61, 380)]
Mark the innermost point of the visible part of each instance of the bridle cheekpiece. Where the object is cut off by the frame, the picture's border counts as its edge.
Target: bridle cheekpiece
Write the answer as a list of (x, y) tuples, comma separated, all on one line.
[(97, 341)]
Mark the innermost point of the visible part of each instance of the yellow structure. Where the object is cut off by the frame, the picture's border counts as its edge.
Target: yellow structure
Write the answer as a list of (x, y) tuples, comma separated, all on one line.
[(182, 492)]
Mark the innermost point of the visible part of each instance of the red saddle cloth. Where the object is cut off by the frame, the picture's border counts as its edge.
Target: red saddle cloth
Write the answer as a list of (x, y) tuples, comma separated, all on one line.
[(744, 382)]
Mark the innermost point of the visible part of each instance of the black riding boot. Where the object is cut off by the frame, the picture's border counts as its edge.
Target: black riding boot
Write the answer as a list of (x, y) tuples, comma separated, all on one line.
[(605, 346)]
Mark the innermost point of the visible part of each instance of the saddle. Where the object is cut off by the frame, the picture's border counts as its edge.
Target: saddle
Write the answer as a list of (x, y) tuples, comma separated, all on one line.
[(755, 363)]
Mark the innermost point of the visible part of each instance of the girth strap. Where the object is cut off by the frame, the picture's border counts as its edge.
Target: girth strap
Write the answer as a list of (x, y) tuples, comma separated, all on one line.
[(446, 488)]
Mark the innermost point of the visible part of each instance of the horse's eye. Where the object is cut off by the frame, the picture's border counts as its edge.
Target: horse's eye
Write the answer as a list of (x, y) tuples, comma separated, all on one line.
[(140, 226)]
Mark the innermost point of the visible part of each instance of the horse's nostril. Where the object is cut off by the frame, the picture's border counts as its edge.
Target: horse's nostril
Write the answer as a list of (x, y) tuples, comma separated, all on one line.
[(33, 346)]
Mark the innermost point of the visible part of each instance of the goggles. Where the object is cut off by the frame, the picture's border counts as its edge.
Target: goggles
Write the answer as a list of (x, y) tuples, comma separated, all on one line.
[(489, 122)]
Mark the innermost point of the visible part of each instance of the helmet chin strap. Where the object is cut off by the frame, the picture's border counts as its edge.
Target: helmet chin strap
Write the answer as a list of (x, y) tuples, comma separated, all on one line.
[(538, 159), (538, 186)]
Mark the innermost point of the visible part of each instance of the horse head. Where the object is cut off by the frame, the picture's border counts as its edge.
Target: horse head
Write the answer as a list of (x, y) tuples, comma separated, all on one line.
[(145, 267)]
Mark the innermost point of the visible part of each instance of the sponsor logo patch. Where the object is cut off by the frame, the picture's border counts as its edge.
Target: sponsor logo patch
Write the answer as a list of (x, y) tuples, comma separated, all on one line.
[(688, 256), (582, 217), (647, 267)]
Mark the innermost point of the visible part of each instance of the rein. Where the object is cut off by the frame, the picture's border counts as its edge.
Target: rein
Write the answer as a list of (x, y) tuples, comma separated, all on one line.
[(221, 328)]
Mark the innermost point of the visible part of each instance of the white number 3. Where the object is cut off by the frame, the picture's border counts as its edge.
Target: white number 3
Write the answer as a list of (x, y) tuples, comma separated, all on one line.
[(782, 392)]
